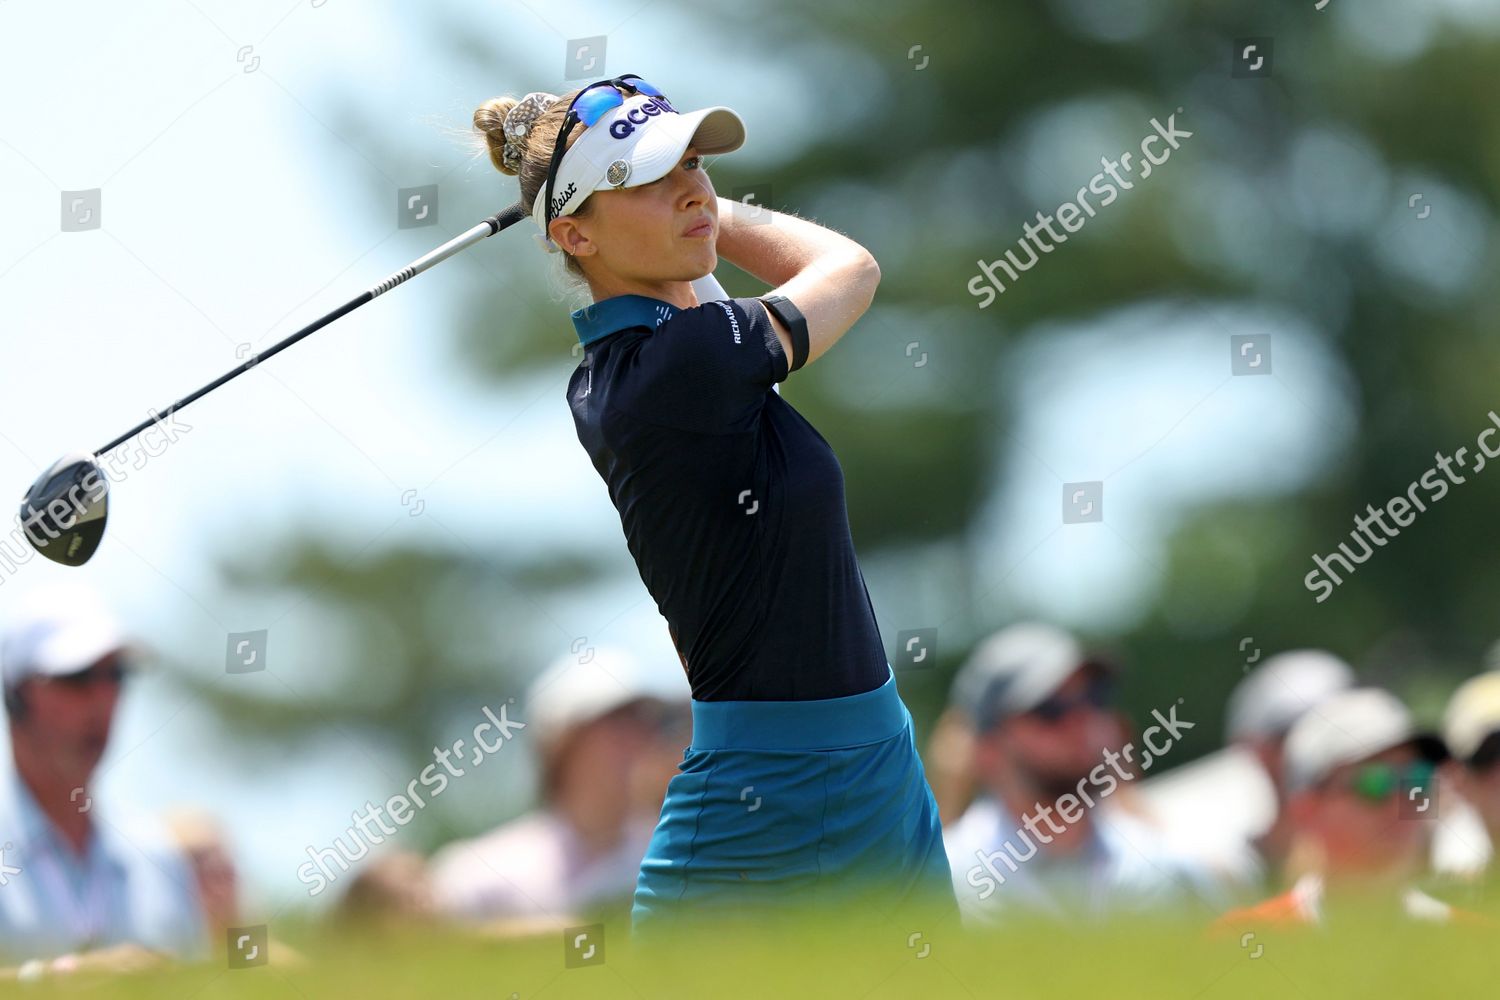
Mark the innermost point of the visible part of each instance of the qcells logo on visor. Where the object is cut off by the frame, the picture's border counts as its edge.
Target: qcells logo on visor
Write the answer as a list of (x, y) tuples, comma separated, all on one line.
[(622, 127)]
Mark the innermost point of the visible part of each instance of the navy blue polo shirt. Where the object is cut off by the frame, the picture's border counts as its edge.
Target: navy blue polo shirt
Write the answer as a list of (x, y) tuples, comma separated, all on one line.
[(731, 502)]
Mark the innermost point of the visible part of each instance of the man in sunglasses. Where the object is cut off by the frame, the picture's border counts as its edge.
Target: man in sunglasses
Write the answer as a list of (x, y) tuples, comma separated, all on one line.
[(1051, 832), (1361, 803), (77, 891)]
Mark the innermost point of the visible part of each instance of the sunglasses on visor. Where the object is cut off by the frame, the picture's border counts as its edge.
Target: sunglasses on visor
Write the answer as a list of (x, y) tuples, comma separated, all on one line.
[(587, 107)]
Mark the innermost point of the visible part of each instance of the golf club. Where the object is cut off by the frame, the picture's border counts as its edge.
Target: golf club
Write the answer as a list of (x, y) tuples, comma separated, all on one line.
[(64, 513)]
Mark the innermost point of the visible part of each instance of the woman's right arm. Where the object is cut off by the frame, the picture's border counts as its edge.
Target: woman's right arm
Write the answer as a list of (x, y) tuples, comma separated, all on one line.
[(826, 275)]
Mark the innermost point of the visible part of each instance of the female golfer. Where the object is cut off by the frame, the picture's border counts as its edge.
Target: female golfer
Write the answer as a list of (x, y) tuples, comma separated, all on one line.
[(802, 784)]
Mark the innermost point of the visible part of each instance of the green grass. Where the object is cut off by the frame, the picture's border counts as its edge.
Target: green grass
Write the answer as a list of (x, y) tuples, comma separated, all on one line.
[(1370, 958)]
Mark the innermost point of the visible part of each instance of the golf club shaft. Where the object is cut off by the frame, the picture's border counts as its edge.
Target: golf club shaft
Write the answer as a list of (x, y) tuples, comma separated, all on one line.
[(488, 227)]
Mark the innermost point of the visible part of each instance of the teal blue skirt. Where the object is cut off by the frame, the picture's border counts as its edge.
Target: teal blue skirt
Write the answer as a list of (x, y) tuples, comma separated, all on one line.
[(783, 805)]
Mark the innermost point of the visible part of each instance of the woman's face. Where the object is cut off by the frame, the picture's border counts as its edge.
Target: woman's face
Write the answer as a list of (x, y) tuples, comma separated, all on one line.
[(639, 237)]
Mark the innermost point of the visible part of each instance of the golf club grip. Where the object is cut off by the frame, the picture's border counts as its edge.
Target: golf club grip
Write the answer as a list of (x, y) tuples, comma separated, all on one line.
[(488, 227)]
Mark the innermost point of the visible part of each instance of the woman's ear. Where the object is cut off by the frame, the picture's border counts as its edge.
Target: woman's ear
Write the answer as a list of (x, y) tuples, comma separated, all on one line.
[(570, 237)]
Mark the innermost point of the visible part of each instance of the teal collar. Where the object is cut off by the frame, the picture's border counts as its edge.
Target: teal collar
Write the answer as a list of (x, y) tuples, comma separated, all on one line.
[(620, 313)]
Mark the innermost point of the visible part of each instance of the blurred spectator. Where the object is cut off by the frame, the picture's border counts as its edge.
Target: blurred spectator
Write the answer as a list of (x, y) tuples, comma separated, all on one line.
[(391, 892), (609, 736), (949, 761), (72, 881), (1269, 701), (1358, 774), (203, 845), (1263, 709), (393, 895), (1471, 727), (1226, 808), (217, 880), (1047, 731)]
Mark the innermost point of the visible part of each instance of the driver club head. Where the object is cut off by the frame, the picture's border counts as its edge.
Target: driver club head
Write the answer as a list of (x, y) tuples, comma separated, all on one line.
[(64, 512)]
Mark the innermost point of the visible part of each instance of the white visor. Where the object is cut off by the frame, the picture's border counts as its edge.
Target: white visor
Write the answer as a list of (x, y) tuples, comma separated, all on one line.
[(636, 143)]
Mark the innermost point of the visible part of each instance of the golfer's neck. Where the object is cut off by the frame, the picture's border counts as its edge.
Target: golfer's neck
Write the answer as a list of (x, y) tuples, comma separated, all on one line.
[(53, 792), (679, 293)]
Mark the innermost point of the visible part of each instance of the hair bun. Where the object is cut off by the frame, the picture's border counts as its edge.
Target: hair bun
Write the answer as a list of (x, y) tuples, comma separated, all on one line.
[(516, 126), (489, 120)]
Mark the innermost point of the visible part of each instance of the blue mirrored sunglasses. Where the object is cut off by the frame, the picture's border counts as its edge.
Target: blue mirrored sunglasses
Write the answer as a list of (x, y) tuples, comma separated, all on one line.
[(597, 99)]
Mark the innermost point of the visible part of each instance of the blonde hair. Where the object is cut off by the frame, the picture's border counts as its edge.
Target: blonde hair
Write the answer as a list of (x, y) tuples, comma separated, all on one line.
[(536, 147)]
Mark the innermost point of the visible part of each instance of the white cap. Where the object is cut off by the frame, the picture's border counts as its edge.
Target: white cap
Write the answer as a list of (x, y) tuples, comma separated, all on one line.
[(1473, 713), (1280, 691), (636, 143), (56, 630), (1349, 727), (1014, 670), (578, 688)]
